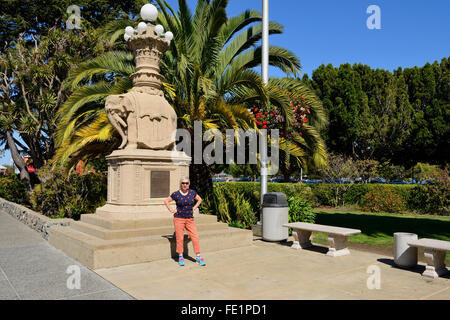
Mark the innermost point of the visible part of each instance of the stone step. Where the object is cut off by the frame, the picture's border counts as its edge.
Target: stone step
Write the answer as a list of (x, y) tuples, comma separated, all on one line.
[(122, 224), (108, 234), (97, 253)]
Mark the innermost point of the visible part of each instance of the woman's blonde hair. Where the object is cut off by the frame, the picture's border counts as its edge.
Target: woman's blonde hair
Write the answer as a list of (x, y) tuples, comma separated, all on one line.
[(185, 178)]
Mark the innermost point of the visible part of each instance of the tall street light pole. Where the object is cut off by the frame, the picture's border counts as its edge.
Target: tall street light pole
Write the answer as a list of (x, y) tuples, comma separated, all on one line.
[(265, 77)]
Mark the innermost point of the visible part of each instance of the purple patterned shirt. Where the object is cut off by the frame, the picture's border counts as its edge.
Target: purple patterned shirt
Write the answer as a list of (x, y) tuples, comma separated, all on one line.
[(185, 204)]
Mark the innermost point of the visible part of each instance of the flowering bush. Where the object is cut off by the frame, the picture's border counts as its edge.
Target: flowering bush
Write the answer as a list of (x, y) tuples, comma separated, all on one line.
[(61, 196), (273, 118), (380, 199)]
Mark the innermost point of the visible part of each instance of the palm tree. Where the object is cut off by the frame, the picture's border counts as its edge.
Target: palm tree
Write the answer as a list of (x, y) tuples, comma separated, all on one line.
[(210, 77)]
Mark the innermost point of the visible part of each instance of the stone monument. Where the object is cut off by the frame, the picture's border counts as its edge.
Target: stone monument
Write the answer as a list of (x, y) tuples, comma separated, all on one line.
[(146, 168), (135, 226)]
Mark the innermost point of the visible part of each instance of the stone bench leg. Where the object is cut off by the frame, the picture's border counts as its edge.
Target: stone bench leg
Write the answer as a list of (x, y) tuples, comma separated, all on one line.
[(436, 264), (302, 239), (338, 246)]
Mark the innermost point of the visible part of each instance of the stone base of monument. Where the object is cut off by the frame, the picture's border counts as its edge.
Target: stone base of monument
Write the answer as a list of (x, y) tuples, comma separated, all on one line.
[(103, 242), (135, 225)]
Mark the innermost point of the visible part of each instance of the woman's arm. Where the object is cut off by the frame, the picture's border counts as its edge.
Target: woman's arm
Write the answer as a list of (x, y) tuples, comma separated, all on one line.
[(167, 201), (199, 202)]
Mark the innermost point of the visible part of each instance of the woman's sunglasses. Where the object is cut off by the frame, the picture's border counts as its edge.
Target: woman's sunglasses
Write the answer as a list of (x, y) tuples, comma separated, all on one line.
[(185, 183)]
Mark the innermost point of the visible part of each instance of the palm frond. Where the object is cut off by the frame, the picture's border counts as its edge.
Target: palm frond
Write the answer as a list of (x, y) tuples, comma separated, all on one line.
[(118, 63)]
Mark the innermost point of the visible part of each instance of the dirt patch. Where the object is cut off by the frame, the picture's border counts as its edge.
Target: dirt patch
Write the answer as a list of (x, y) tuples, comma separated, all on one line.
[(379, 249), (386, 251)]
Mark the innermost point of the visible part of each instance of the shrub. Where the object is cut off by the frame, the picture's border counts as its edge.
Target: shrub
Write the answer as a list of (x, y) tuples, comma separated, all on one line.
[(240, 201), (433, 198), (300, 210), (230, 205), (237, 224), (242, 210), (419, 198), (382, 199), (68, 196), (324, 194), (356, 193), (14, 190)]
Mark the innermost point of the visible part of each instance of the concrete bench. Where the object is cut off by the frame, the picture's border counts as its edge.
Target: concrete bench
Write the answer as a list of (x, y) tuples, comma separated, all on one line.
[(435, 251), (337, 237)]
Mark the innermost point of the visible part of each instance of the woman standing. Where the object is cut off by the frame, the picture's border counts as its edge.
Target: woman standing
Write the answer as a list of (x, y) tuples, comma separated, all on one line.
[(183, 218)]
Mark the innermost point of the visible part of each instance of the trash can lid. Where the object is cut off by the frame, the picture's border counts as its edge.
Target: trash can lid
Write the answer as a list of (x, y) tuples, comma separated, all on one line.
[(275, 200)]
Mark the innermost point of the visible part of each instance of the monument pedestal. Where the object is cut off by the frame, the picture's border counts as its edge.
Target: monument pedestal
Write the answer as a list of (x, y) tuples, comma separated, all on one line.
[(135, 225), (140, 180)]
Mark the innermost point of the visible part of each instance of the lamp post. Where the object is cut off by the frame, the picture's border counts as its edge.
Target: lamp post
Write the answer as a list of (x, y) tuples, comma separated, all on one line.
[(257, 229), (149, 13), (265, 76)]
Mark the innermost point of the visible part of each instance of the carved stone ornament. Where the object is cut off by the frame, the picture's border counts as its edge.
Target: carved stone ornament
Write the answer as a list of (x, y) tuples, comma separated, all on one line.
[(143, 117)]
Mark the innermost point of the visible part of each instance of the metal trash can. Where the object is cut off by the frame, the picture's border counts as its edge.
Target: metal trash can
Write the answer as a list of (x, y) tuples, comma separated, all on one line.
[(275, 211), (404, 255)]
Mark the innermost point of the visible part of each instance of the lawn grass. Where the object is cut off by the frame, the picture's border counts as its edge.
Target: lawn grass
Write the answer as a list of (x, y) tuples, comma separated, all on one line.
[(378, 229)]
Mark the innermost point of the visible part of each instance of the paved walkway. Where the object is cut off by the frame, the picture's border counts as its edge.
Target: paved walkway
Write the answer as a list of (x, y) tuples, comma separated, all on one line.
[(32, 269), (271, 271)]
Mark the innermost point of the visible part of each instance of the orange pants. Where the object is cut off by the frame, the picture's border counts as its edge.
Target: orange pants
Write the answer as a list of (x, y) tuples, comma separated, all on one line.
[(180, 224)]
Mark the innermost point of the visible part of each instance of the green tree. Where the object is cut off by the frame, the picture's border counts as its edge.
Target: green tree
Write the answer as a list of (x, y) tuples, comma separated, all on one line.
[(37, 17), (210, 78), (399, 117), (342, 172), (428, 89), (32, 89)]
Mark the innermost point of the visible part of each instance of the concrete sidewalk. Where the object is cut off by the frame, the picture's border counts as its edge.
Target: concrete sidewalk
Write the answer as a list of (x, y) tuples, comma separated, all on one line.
[(32, 269), (271, 271)]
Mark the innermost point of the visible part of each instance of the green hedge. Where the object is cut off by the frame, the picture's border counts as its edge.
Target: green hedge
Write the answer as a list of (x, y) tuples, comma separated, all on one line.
[(61, 196), (418, 198), (14, 190), (238, 203)]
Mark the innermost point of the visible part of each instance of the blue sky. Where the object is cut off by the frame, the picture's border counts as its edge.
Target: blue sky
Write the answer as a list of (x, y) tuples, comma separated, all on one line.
[(413, 32)]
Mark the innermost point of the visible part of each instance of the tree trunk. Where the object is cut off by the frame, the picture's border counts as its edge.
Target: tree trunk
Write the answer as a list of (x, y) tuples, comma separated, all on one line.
[(18, 160), (35, 150), (201, 179), (286, 175), (200, 175)]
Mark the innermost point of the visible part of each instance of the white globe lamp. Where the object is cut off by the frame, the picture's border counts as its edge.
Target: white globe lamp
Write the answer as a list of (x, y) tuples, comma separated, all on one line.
[(129, 31), (159, 29), (149, 12), (168, 36), (142, 27)]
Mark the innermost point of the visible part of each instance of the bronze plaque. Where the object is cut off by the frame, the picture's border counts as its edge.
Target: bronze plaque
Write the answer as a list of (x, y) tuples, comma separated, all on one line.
[(160, 184)]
